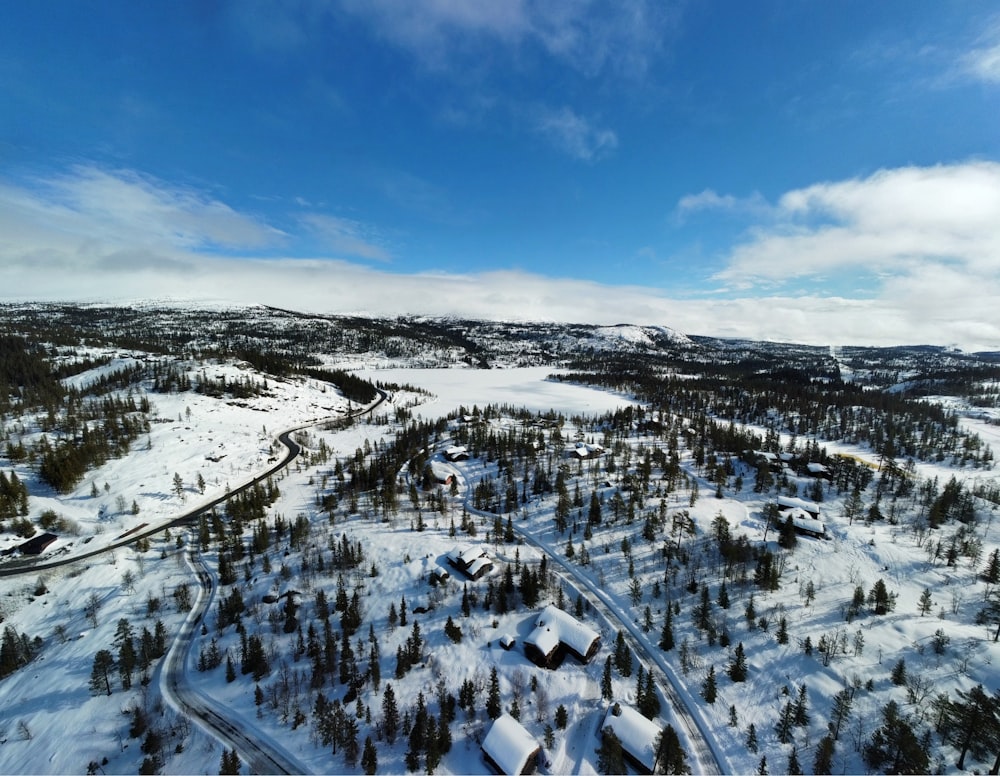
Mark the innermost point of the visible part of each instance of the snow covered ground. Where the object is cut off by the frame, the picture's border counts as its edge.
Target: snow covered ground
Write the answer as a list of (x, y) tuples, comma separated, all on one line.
[(53, 723)]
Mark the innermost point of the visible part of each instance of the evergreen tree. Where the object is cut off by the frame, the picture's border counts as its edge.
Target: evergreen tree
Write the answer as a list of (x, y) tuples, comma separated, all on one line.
[(493, 698), (738, 666), (670, 755), (894, 746), (926, 603), (708, 687), (649, 706), (823, 762), (801, 709), (667, 634), (972, 724), (230, 763), (369, 758), (390, 714), (610, 759), (841, 711), (991, 573), (752, 739), (606, 689), (100, 674), (562, 717), (898, 673), (793, 768)]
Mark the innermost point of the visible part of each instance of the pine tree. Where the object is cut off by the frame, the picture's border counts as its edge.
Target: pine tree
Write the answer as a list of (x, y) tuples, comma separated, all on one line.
[(100, 674), (390, 714), (926, 603), (972, 723), (667, 634), (493, 707), (670, 755), (801, 709), (752, 739), (793, 768), (782, 635), (991, 573), (562, 717), (708, 687), (841, 711), (230, 763), (823, 762), (610, 758), (738, 666), (369, 758), (606, 689), (649, 707)]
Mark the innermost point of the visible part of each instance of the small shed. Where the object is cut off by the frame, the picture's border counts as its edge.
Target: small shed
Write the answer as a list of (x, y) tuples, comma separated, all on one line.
[(509, 748)]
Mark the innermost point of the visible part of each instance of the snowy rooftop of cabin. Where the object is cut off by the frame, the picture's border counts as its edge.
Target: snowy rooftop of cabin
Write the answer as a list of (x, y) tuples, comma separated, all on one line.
[(636, 733), (554, 626), (509, 745)]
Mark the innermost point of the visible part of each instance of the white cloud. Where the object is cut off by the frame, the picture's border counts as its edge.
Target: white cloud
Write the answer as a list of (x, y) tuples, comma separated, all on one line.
[(125, 207), (894, 222), (574, 134), (983, 62), (588, 35), (345, 236), (58, 244)]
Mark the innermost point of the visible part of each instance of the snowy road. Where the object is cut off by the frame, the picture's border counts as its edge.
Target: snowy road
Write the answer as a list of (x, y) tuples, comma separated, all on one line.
[(259, 751)]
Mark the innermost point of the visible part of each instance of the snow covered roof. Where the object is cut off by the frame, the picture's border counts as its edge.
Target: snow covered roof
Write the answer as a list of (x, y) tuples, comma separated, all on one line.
[(509, 745), (477, 565), (787, 502), (636, 733), (554, 626), (466, 553), (442, 472), (816, 468)]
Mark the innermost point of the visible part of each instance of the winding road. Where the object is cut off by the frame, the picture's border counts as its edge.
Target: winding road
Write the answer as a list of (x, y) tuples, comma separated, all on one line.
[(260, 752)]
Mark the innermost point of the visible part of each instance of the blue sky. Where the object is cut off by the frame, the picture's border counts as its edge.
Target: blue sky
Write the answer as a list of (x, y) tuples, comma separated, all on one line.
[(809, 171)]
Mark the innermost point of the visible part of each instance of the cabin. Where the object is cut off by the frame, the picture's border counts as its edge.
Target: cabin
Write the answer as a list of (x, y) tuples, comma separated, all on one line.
[(442, 474), (584, 451), (557, 634), (818, 471), (804, 515), (507, 642), (470, 560), (36, 545), (638, 736), (509, 748), (457, 453), (785, 503)]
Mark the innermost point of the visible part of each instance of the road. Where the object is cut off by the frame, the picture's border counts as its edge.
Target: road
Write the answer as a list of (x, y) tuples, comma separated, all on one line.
[(708, 758), (257, 750), (261, 753)]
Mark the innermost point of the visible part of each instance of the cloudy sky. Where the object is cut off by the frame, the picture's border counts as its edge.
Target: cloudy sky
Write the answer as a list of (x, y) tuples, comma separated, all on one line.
[(808, 171)]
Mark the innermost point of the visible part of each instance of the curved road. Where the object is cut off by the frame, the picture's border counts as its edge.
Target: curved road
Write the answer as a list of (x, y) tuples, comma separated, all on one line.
[(709, 759), (260, 753)]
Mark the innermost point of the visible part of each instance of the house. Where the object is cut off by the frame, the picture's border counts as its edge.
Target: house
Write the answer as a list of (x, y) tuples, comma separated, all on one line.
[(804, 515), (509, 748), (818, 470), (786, 503), (36, 545), (805, 523), (470, 560), (638, 736), (442, 473), (584, 451), (457, 453), (557, 633)]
